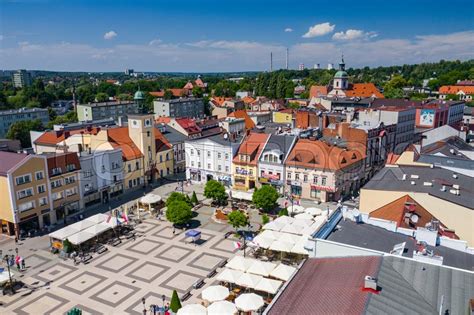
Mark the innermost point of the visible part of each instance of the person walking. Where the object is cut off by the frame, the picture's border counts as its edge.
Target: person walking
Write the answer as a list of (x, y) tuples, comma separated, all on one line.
[(23, 264), (17, 261)]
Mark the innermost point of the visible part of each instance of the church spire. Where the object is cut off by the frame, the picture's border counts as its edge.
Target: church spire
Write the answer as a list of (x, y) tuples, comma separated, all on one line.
[(342, 65)]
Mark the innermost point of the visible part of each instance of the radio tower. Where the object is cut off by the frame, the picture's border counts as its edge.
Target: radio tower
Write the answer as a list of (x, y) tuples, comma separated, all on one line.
[(271, 61), (286, 58)]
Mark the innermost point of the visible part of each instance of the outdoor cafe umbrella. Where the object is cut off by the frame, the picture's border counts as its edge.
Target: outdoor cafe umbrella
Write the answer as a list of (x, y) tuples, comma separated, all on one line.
[(4, 277), (293, 228), (274, 226), (261, 268), (248, 280), (313, 211), (97, 218), (299, 247), (215, 293), (248, 302), (283, 272), (269, 285), (262, 241), (222, 308), (284, 219), (295, 209), (304, 216), (239, 263), (192, 309), (289, 238), (270, 234), (282, 246), (229, 275)]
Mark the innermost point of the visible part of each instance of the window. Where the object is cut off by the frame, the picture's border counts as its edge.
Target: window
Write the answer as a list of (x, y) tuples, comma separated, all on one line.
[(70, 180), (199, 164), (219, 155), (227, 156), (41, 189), (148, 134), (219, 168), (43, 201), (167, 157), (56, 171), (71, 167), (323, 181), (56, 183), (161, 159), (39, 175), (130, 183), (227, 169), (26, 206), (192, 163), (71, 191), (315, 180), (208, 154), (137, 165), (198, 152), (58, 195), (103, 168), (305, 178), (28, 192), (192, 152), (208, 166), (20, 180), (289, 175), (129, 168), (297, 176)]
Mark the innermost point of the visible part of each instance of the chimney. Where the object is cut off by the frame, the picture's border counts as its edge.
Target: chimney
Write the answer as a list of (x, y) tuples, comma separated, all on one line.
[(370, 283)]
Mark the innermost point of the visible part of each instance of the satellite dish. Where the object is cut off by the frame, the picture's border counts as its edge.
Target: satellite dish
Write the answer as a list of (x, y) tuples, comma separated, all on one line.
[(226, 136), (414, 218)]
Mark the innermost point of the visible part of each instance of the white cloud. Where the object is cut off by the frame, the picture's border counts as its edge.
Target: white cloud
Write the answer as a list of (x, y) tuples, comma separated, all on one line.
[(155, 41), (319, 30), (110, 35), (353, 34), (224, 55), (1, 37), (288, 30)]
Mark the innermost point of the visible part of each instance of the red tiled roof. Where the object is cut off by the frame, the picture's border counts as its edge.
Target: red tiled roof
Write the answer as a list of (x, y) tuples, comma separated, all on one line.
[(54, 137), (219, 100), (252, 145), (363, 90), (161, 143), (188, 124), (248, 100), (392, 158), (318, 90), (317, 154), (453, 89), (328, 286), (8, 160), (175, 92), (188, 86), (249, 123), (163, 120), (62, 160), (119, 138)]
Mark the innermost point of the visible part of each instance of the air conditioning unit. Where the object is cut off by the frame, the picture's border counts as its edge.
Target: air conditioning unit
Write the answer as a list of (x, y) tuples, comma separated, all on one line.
[(456, 187), (443, 188), (413, 176), (370, 283), (404, 177), (455, 175), (413, 182), (428, 184)]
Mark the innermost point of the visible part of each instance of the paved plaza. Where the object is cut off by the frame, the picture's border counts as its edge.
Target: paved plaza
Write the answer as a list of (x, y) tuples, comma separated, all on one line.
[(115, 282)]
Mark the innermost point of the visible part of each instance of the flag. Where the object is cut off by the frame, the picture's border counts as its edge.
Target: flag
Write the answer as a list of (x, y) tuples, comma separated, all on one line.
[(108, 218), (237, 245), (124, 217)]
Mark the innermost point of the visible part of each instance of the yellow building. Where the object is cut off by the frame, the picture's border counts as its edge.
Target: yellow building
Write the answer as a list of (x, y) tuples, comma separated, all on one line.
[(444, 194), (63, 175), (245, 163), (24, 193), (283, 117)]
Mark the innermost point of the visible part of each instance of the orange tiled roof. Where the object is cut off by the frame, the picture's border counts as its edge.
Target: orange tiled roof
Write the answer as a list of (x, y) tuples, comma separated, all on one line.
[(119, 138), (55, 137), (453, 89), (199, 82), (318, 90), (175, 92), (161, 142), (248, 100), (188, 86), (318, 154), (252, 145), (249, 124), (163, 120), (363, 90), (392, 158), (219, 100)]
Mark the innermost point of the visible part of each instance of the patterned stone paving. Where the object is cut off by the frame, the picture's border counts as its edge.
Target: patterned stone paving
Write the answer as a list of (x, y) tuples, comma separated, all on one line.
[(115, 282)]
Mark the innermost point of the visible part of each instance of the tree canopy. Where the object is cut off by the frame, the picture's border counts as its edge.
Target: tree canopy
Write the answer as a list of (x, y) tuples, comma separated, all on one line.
[(215, 191), (175, 303), (20, 130), (237, 219), (179, 212), (177, 196), (265, 197)]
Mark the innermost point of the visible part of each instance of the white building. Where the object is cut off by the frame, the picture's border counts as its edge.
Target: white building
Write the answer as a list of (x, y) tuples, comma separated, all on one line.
[(211, 158)]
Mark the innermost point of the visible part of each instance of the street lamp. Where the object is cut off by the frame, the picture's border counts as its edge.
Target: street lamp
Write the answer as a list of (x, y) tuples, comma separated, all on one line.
[(144, 308), (163, 297), (7, 260)]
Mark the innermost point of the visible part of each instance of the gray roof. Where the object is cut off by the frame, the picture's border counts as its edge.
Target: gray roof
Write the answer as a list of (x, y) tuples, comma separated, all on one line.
[(173, 136), (284, 143), (376, 238), (9, 160), (411, 287), (390, 179), (219, 139)]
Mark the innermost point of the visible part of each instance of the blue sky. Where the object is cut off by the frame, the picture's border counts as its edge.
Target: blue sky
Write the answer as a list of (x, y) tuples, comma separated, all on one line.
[(224, 35)]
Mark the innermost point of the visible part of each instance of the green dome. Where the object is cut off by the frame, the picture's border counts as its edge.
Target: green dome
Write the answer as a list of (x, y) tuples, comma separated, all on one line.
[(341, 74), (139, 95)]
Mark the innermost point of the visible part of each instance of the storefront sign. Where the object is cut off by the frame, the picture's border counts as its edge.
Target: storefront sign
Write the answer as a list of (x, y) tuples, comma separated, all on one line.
[(271, 176), (323, 188), (241, 171), (263, 180), (295, 183), (195, 171)]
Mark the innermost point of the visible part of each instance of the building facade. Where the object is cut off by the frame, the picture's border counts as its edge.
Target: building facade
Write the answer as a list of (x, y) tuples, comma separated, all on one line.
[(179, 108), (21, 79), (118, 110), (8, 117)]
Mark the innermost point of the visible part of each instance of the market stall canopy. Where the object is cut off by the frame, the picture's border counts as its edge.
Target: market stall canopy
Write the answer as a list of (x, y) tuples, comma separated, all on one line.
[(229, 275), (192, 309), (248, 302), (283, 272), (270, 234), (80, 237), (215, 293), (150, 198), (64, 233), (269, 285), (274, 226), (263, 242), (98, 229), (295, 209), (313, 211), (239, 263), (248, 280), (97, 218), (241, 195), (222, 308), (82, 225), (261, 268), (284, 219), (280, 246), (299, 247), (304, 216), (289, 238)]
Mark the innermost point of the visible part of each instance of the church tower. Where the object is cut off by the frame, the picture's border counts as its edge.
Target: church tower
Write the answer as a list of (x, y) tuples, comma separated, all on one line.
[(142, 132), (341, 78)]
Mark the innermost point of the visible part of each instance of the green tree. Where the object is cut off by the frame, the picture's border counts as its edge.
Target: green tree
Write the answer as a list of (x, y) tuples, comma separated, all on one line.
[(283, 212), (265, 197), (177, 196), (237, 219), (215, 191), (265, 219), (197, 91), (179, 212), (175, 303), (168, 95), (20, 130), (194, 199), (101, 97), (125, 97)]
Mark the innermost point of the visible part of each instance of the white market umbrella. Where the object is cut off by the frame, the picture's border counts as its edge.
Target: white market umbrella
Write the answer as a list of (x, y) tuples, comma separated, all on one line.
[(284, 219), (280, 246), (293, 229), (215, 293), (239, 263), (4, 277), (80, 237), (270, 234), (299, 247), (269, 285), (97, 218), (289, 238), (192, 309), (304, 216), (313, 211), (248, 302), (283, 272), (273, 226), (261, 268), (150, 198), (303, 222), (248, 280), (263, 242), (222, 308), (295, 209), (229, 275)]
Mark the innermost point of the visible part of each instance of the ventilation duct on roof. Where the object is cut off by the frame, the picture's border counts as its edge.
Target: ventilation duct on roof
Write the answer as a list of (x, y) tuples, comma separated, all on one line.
[(443, 188), (455, 175), (404, 177), (370, 283), (413, 182), (414, 176), (428, 184)]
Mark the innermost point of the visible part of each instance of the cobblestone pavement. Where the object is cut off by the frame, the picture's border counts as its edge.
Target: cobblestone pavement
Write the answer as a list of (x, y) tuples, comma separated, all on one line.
[(116, 281)]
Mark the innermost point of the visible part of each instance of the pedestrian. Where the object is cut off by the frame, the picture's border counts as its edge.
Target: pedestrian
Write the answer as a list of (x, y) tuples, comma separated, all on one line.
[(16, 240), (23, 264), (17, 261)]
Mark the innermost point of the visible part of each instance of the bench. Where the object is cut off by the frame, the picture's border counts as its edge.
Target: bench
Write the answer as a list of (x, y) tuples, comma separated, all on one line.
[(186, 296), (212, 273), (86, 259), (114, 242), (101, 249), (222, 263), (130, 235), (198, 284)]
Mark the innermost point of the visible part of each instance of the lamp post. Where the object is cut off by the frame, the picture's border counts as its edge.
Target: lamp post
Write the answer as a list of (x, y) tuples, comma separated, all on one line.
[(163, 297), (144, 308), (7, 260)]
